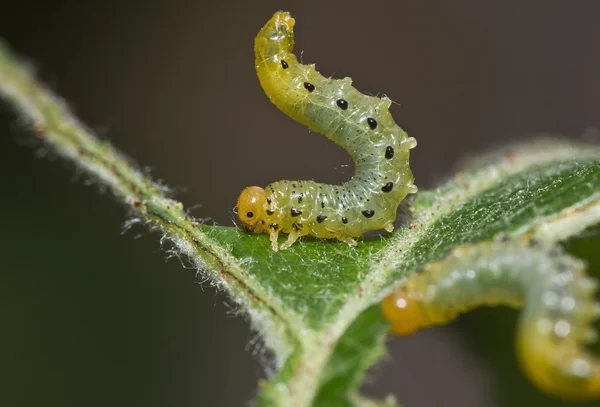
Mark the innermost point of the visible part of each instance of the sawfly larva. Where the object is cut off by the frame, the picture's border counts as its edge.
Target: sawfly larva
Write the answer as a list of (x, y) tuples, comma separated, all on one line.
[(551, 287), (359, 123)]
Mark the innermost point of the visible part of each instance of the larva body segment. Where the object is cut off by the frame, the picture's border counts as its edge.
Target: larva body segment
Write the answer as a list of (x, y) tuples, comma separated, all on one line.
[(558, 303), (361, 124)]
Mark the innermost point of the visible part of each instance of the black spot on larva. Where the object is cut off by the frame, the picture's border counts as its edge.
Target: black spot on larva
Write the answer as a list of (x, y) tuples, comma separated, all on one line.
[(342, 104), (293, 185), (321, 218), (322, 204), (368, 213), (389, 152), (309, 86), (387, 187), (372, 123), (274, 226), (295, 212), (344, 220), (284, 64), (270, 212), (300, 197), (269, 201), (250, 214)]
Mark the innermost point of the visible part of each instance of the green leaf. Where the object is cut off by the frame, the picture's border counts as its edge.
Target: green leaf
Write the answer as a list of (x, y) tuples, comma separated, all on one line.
[(316, 305)]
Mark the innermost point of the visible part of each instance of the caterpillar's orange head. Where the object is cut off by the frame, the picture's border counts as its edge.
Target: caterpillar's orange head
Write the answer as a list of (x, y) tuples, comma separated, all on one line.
[(251, 209), (404, 313)]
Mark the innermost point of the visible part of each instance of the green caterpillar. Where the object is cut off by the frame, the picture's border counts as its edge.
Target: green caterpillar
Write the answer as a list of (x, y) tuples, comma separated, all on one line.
[(361, 124), (557, 298)]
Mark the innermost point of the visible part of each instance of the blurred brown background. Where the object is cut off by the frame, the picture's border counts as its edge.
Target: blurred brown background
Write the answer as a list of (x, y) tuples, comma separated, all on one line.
[(93, 317)]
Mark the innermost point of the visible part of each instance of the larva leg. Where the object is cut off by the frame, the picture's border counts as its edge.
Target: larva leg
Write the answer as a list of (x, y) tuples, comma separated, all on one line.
[(292, 237), (273, 235), (558, 302), (349, 240), (389, 227)]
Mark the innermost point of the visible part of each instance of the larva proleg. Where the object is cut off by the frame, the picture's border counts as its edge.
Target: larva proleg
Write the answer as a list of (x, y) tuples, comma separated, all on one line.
[(361, 124), (557, 298)]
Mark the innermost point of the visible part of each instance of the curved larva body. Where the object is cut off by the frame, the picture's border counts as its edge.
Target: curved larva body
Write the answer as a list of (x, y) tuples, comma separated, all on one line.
[(359, 123), (557, 299)]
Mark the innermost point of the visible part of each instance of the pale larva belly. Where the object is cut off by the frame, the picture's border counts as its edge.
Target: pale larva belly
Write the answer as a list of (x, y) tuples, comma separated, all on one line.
[(361, 124)]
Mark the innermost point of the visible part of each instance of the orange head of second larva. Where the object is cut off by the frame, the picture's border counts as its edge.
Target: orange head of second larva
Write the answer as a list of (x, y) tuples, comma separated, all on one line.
[(404, 313), (251, 206)]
